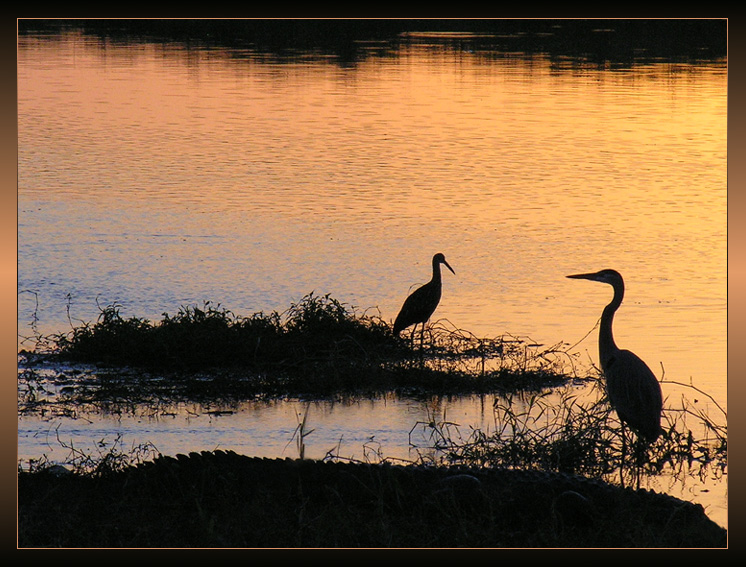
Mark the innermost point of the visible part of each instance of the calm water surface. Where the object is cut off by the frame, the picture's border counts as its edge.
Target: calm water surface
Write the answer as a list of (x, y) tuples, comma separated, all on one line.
[(155, 176)]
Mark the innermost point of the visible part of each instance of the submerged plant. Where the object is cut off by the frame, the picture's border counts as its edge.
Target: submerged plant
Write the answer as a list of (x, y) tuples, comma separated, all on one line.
[(300, 433), (109, 458)]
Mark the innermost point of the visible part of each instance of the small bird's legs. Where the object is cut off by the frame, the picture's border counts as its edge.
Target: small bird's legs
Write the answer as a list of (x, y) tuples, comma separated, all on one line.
[(412, 336), (422, 340), (422, 335)]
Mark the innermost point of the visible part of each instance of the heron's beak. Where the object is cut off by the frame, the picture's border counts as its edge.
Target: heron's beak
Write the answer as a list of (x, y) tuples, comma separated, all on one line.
[(449, 267), (592, 276)]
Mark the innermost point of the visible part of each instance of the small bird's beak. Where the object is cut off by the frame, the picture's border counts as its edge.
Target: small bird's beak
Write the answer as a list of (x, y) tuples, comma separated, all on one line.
[(449, 267)]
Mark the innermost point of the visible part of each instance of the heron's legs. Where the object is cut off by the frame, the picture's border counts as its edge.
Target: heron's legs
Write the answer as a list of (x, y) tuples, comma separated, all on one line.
[(636, 447), (639, 449), (624, 450)]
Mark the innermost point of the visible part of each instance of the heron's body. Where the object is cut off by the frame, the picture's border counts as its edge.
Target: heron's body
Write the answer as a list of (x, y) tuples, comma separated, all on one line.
[(632, 388), (421, 303)]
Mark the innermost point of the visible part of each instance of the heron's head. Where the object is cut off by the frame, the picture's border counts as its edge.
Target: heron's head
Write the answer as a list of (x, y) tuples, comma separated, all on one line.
[(440, 259), (611, 277)]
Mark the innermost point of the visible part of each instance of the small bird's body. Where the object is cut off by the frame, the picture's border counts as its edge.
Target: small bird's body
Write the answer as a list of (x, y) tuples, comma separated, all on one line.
[(421, 303), (632, 388)]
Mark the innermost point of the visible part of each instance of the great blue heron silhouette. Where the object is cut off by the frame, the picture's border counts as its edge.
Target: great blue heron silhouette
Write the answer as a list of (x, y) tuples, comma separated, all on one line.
[(421, 303), (632, 388)]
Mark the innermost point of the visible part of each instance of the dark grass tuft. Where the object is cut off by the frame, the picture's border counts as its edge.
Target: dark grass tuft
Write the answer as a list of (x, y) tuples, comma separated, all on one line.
[(316, 328)]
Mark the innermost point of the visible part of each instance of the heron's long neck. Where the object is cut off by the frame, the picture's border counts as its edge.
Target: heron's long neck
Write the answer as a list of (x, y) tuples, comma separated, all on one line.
[(606, 344)]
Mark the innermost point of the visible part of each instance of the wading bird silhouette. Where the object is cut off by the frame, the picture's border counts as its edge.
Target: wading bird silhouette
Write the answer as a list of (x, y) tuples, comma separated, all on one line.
[(631, 386), (421, 303)]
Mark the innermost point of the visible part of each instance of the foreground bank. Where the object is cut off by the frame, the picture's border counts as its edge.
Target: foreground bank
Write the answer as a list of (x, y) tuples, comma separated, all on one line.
[(221, 499)]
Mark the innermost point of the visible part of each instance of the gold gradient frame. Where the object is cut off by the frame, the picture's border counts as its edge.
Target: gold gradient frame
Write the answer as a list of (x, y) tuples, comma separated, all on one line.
[(736, 284)]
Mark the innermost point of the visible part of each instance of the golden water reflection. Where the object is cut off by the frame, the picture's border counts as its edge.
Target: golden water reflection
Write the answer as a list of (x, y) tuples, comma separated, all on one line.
[(157, 176)]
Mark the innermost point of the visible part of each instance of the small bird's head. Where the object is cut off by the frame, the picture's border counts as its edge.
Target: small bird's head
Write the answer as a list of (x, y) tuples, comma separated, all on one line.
[(440, 259), (608, 276)]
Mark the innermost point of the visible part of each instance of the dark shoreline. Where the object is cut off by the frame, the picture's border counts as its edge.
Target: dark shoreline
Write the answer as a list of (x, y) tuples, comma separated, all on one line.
[(598, 40), (222, 499)]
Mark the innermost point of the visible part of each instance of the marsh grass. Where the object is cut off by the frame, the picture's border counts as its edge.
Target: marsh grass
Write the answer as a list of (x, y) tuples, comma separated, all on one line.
[(317, 347), (550, 413), (565, 432)]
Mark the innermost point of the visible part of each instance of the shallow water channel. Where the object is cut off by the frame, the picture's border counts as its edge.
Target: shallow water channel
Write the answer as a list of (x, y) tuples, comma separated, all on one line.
[(395, 428)]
